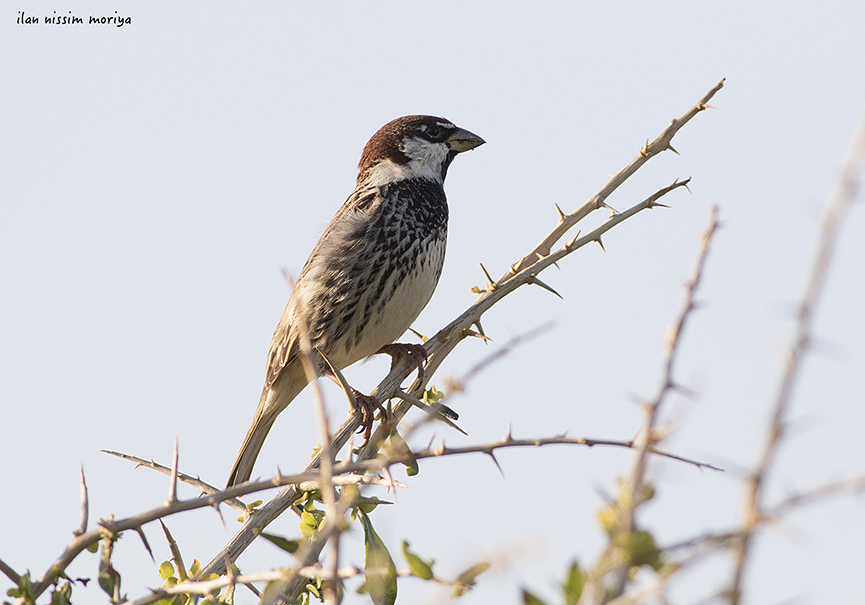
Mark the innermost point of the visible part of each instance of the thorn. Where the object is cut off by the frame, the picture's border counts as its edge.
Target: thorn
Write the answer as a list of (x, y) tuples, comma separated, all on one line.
[(492, 455), (685, 185), (437, 411), (571, 243), (418, 334), (670, 147), (509, 437), (172, 488), (229, 571), (515, 268), (600, 243), (480, 328), (146, 545), (645, 150), (610, 208), (562, 215), (534, 280), (704, 106), (391, 484), (85, 505), (490, 283), (219, 514), (470, 332), (175, 553)]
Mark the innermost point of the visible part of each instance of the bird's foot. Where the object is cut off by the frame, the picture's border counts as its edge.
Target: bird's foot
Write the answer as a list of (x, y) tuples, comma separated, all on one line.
[(413, 353), (366, 406)]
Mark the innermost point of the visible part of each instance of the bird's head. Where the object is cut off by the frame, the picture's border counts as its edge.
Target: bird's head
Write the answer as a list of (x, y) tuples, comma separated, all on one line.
[(413, 147)]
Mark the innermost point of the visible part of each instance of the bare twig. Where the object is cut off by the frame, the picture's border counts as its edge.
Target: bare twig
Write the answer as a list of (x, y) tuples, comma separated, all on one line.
[(175, 553), (646, 438), (609, 578), (661, 143), (817, 494), (10, 573), (109, 528), (834, 214), (509, 442), (195, 482), (509, 346), (327, 454)]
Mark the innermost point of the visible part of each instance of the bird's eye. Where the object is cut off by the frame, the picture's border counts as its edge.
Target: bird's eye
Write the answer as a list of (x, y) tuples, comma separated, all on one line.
[(433, 131)]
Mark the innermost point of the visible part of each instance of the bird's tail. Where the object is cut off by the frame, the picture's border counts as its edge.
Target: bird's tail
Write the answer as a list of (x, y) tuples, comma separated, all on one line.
[(273, 401)]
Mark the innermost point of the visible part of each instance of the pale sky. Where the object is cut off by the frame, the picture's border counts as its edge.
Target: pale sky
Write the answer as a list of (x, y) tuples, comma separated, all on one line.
[(157, 179)]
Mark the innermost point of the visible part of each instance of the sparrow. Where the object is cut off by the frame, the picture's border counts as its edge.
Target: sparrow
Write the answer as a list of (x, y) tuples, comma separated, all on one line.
[(371, 273)]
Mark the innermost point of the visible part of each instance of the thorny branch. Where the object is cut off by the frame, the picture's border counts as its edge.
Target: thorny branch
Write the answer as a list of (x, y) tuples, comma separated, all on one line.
[(740, 539), (835, 211), (390, 456), (345, 473), (609, 579)]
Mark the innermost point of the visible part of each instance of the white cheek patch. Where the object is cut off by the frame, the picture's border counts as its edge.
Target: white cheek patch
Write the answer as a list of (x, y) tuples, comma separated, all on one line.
[(425, 156), (425, 162)]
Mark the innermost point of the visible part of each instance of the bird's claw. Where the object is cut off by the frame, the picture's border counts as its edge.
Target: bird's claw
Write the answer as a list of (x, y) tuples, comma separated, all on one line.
[(413, 353), (366, 407)]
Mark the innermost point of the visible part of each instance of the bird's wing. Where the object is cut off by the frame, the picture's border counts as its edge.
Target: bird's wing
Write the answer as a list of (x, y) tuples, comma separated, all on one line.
[(284, 345)]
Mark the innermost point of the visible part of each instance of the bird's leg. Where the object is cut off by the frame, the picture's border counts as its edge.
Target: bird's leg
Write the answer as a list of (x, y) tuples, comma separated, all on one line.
[(413, 353), (366, 407)]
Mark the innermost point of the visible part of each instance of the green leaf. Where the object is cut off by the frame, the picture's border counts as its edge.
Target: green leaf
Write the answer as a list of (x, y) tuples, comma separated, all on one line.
[(109, 579), (370, 504), (530, 599), (419, 567), (62, 595), (402, 448), (93, 547), (378, 566), (573, 585), (285, 544), (642, 550), (58, 598), (411, 468), (196, 567), (166, 570), (24, 589), (432, 395)]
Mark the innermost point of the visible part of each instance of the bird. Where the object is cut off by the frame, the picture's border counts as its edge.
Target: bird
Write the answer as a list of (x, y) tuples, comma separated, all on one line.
[(371, 273)]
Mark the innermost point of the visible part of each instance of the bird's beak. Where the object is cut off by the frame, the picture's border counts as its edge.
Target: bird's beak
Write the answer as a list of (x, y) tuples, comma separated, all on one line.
[(463, 140)]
